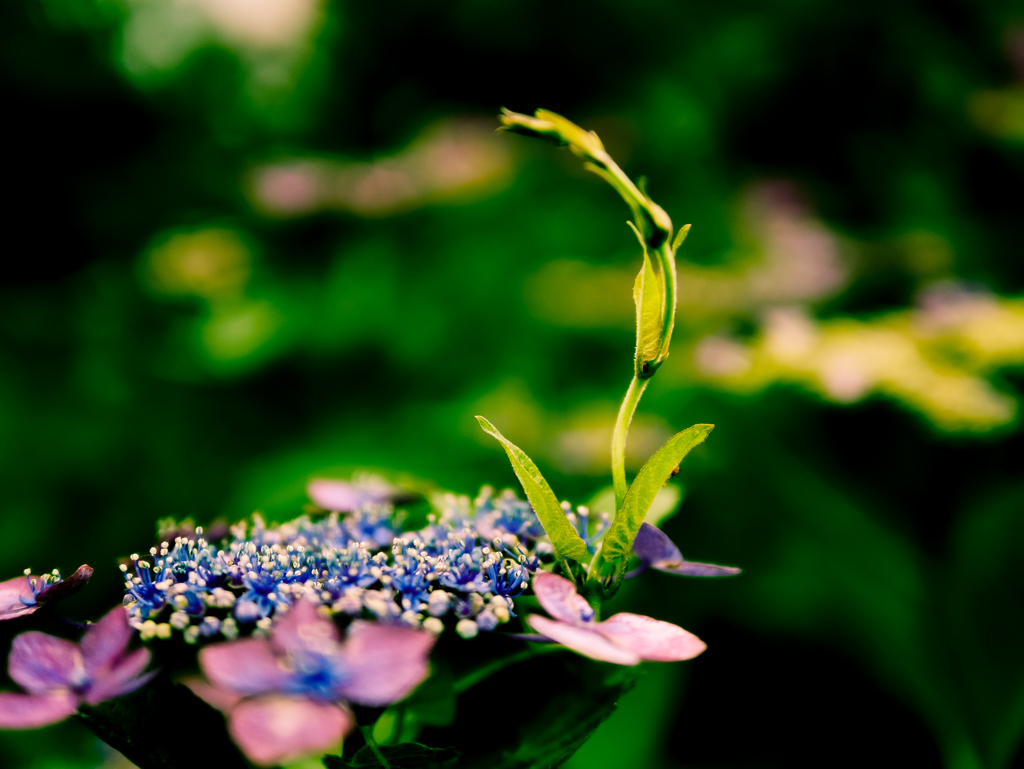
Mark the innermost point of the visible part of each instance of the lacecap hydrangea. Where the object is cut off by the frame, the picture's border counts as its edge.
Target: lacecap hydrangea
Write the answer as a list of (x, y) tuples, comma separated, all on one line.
[(464, 569)]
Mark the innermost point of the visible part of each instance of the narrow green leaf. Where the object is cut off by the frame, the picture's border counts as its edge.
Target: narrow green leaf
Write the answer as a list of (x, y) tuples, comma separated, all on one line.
[(680, 237), (618, 542), (564, 537)]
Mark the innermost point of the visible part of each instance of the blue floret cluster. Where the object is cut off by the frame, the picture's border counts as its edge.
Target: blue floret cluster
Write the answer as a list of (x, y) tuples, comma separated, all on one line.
[(464, 569)]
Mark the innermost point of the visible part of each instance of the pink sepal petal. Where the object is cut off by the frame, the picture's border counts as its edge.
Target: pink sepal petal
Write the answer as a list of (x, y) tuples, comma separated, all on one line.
[(105, 642), (301, 626), (559, 598), (11, 593), (651, 638), (245, 667), (384, 662), (41, 663), (124, 678), (276, 729), (583, 640), (31, 711), (216, 698)]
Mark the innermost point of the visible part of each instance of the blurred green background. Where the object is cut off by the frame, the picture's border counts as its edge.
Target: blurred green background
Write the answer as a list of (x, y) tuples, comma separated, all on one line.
[(249, 241)]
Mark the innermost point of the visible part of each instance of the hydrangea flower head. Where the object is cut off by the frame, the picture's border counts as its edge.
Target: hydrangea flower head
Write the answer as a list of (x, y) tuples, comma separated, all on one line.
[(356, 563), (59, 675), (624, 638)]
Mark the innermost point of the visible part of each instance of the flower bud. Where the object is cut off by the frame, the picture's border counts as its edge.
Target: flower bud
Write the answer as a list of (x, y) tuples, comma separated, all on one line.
[(467, 628)]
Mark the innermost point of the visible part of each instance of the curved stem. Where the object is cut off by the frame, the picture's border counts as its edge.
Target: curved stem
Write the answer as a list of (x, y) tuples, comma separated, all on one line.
[(368, 736), (626, 411)]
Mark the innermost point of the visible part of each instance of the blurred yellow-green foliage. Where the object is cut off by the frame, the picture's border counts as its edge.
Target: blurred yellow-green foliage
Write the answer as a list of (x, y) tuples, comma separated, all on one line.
[(248, 241)]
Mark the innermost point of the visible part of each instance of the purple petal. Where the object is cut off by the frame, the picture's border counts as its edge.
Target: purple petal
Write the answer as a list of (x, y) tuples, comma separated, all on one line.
[(40, 663), (30, 711), (583, 640), (650, 638), (105, 642), (125, 677), (244, 667), (656, 551), (345, 497), (559, 598), (65, 587), (11, 593), (299, 627), (277, 729), (652, 545), (384, 662), (696, 569), (211, 695)]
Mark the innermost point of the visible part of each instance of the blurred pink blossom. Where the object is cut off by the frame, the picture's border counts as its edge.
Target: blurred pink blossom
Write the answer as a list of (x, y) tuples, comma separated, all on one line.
[(60, 675), (346, 496), (284, 696)]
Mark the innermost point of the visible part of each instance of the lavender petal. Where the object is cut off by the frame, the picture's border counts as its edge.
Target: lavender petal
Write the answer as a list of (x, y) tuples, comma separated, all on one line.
[(40, 663), (105, 642), (125, 677), (696, 569), (384, 662), (652, 545), (656, 551)]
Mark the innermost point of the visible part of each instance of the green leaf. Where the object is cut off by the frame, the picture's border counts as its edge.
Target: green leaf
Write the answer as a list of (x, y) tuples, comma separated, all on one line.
[(618, 542), (408, 755), (569, 696), (558, 729), (564, 536)]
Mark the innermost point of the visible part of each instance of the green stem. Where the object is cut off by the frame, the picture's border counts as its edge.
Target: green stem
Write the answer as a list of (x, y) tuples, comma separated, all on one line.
[(626, 411), (486, 671), (368, 736)]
